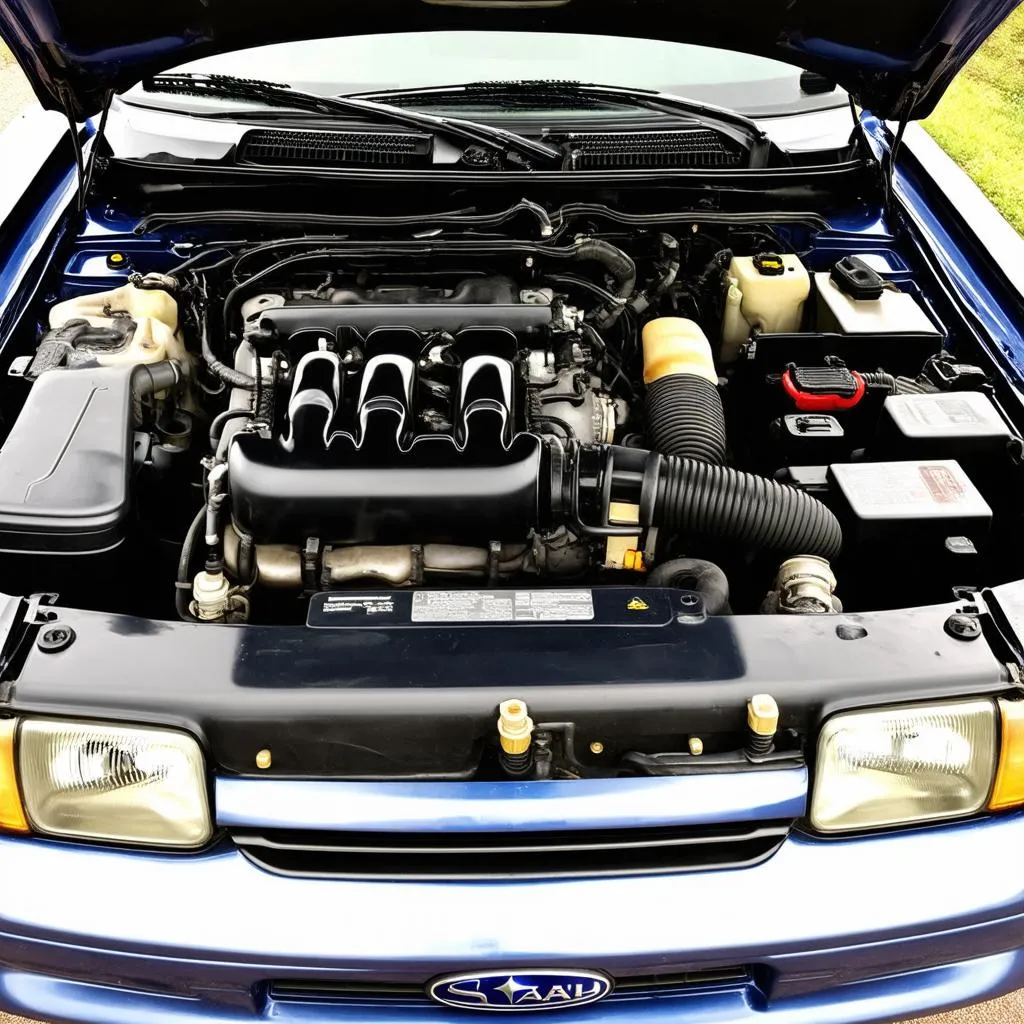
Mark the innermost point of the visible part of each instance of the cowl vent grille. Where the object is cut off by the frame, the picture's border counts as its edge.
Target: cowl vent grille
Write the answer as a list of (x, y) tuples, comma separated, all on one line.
[(692, 147), (334, 149)]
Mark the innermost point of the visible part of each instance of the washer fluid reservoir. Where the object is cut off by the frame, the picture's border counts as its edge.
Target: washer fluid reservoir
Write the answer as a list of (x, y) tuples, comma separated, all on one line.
[(766, 291)]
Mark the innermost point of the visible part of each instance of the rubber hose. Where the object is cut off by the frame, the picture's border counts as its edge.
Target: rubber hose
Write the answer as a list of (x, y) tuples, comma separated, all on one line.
[(880, 379), (228, 374), (909, 386), (685, 418), (149, 378), (717, 501), (622, 269), (183, 595), (694, 574), (616, 262), (899, 385), (221, 420)]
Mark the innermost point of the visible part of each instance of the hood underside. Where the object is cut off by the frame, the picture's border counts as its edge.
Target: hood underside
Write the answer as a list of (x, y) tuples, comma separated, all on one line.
[(894, 60)]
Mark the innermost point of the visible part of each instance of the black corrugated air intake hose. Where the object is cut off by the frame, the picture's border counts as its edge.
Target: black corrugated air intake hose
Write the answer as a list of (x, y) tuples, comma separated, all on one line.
[(685, 418), (694, 497), (684, 410), (690, 499)]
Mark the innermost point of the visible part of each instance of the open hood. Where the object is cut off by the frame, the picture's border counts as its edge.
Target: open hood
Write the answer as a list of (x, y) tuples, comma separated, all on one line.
[(895, 59)]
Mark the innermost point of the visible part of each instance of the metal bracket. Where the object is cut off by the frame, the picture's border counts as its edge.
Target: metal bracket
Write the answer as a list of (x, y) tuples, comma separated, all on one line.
[(19, 620)]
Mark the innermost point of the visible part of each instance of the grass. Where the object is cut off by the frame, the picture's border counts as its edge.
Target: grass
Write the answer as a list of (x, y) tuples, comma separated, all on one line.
[(980, 120)]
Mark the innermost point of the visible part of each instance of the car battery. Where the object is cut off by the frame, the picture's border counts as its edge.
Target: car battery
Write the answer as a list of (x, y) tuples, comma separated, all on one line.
[(961, 425), (908, 504)]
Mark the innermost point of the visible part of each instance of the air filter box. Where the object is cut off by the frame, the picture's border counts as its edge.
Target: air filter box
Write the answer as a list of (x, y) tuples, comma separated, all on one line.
[(910, 504), (65, 466)]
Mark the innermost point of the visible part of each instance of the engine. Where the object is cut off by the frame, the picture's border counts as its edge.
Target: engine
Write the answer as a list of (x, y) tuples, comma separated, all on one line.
[(410, 437), (422, 433), (303, 417)]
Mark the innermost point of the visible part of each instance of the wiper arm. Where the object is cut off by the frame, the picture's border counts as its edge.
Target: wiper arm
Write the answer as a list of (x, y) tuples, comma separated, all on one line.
[(277, 94), (645, 99)]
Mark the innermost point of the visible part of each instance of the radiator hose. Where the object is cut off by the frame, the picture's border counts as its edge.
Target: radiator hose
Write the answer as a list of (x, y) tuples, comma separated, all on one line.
[(685, 417)]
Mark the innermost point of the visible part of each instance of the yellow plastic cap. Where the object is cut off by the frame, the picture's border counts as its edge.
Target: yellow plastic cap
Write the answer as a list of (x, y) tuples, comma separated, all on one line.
[(763, 714), (634, 560), (673, 344), (12, 814), (515, 727), (1008, 790)]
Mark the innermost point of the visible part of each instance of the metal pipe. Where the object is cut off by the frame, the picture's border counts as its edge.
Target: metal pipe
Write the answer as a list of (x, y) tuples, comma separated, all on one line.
[(278, 566)]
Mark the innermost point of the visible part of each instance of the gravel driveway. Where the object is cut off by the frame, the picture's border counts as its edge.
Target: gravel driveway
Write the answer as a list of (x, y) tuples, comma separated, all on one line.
[(15, 95)]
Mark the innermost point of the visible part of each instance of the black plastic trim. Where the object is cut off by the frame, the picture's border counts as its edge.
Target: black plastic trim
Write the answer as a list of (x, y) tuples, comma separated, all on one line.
[(638, 986), (478, 856)]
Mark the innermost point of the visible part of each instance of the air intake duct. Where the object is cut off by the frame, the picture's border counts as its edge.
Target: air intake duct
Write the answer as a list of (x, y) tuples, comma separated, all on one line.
[(690, 497), (684, 410), (717, 501)]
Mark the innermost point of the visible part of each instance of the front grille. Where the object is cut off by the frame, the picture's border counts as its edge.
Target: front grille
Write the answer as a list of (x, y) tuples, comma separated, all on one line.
[(454, 856), (640, 986), (335, 149), (691, 147)]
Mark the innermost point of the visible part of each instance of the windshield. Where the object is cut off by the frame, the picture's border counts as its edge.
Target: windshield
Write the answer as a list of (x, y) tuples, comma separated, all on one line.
[(751, 85)]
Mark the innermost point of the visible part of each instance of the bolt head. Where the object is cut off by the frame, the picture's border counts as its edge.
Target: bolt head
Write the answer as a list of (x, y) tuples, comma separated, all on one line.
[(55, 638), (962, 626)]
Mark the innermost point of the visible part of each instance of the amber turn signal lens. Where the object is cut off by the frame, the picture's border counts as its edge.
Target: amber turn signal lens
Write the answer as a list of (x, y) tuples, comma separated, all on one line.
[(12, 815), (1009, 788)]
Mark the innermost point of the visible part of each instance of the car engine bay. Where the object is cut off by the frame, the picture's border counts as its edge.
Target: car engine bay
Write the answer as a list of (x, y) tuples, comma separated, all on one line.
[(771, 417)]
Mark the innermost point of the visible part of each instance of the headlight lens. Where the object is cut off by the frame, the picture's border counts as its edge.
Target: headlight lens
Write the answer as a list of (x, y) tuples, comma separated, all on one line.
[(904, 765), (127, 784)]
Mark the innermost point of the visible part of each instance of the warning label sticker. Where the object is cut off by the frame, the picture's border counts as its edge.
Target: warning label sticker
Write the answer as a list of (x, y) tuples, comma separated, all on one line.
[(943, 411), (941, 484), (364, 606), (467, 609), (502, 606)]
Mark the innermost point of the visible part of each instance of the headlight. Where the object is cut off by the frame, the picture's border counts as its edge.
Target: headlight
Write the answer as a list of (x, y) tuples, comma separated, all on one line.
[(904, 765), (131, 784)]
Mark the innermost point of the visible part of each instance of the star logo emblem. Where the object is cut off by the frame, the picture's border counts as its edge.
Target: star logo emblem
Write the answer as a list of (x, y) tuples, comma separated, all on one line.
[(510, 988)]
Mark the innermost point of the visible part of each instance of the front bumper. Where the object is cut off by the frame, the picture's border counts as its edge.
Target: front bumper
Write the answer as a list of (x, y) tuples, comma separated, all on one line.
[(836, 932)]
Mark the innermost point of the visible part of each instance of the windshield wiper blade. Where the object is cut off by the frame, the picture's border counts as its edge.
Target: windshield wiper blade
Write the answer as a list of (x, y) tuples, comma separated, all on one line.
[(278, 94), (646, 99)]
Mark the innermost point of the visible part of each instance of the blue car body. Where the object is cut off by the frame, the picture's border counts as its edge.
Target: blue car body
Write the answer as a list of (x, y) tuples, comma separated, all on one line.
[(791, 927)]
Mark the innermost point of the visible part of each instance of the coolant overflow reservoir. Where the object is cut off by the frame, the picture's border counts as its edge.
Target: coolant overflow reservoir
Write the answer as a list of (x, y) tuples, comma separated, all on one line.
[(154, 311), (766, 291)]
